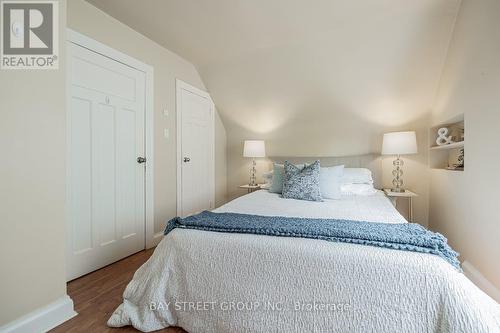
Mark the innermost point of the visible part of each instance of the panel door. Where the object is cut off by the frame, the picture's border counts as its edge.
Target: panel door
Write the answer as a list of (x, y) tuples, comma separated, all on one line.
[(197, 152), (106, 213)]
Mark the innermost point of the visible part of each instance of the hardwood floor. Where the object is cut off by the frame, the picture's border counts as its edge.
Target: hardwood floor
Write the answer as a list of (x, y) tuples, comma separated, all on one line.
[(96, 296)]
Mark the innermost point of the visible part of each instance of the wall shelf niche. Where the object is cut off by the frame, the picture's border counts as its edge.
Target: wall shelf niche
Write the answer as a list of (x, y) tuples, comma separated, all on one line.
[(450, 146), (448, 156)]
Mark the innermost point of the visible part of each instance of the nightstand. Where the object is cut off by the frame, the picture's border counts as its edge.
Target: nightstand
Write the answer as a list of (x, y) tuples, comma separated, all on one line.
[(394, 196), (250, 188)]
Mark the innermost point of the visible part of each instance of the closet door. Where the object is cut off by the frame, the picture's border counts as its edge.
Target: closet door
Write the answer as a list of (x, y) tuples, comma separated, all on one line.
[(195, 128), (106, 181)]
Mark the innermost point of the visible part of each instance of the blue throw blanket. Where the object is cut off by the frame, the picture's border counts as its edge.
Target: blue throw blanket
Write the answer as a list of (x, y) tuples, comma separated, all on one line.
[(400, 236)]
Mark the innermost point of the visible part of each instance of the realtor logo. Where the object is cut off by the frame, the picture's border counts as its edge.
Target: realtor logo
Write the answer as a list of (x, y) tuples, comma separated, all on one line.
[(29, 35)]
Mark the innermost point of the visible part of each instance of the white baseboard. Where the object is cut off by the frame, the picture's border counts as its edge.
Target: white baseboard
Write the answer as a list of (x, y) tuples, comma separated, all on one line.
[(43, 319), (157, 238), (480, 281)]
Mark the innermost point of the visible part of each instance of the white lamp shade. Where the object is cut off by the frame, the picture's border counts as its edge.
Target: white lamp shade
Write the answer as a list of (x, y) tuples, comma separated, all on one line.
[(254, 148), (399, 143)]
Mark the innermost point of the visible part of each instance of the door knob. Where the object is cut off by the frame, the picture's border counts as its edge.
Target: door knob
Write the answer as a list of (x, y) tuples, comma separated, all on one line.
[(186, 159), (141, 160)]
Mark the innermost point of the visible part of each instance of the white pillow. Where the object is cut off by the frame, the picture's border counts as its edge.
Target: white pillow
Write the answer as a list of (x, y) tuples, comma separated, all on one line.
[(358, 189), (330, 180), (268, 180), (268, 176), (265, 186), (357, 176)]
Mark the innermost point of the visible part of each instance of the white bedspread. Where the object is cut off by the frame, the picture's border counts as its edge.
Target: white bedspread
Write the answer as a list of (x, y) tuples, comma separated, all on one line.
[(220, 282), (373, 208)]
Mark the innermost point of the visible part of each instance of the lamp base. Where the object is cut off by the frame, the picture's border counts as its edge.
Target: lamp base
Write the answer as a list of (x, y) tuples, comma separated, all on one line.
[(253, 179), (397, 182)]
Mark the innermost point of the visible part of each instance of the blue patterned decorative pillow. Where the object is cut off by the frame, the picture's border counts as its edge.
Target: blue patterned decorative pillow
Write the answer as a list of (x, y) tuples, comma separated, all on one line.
[(302, 184), (279, 177)]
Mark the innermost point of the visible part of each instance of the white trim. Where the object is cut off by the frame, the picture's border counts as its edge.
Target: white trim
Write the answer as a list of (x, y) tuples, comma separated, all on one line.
[(149, 140), (178, 130), (42, 319), (480, 281), (67, 212), (95, 46), (103, 49), (179, 86)]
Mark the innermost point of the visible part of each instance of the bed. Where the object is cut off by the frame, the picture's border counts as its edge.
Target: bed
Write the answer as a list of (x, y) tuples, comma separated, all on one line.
[(228, 282)]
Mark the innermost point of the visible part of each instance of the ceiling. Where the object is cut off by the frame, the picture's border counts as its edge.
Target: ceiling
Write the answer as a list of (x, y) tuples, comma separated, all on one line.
[(281, 68)]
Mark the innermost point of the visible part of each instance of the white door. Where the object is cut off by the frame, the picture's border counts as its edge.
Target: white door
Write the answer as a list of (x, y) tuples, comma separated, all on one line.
[(106, 182), (195, 124)]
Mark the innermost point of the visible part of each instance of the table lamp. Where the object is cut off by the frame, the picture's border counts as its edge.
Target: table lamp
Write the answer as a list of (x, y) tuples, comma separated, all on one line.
[(399, 143), (253, 149)]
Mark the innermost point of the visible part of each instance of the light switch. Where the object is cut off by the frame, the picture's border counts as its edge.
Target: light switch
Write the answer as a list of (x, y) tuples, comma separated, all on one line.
[(165, 112), (166, 133)]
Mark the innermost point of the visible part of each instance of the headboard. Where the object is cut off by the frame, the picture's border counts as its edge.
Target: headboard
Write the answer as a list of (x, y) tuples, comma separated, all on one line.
[(369, 161)]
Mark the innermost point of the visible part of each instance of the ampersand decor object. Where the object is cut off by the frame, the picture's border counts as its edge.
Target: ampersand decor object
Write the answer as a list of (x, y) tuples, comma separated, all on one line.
[(443, 139)]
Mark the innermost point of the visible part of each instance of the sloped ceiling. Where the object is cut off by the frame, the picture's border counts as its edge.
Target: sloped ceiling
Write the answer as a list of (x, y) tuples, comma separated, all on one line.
[(318, 77)]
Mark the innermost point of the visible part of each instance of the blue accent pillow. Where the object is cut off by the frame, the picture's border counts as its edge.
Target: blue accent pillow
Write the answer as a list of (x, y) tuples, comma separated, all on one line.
[(278, 177), (302, 184), (330, 181)]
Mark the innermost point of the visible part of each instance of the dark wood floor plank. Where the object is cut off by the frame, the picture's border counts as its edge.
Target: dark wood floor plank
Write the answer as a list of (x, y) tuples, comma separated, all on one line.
[(96, 296)]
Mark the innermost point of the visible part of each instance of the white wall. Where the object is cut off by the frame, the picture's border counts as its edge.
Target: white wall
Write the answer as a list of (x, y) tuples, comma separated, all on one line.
[(464, 205), (90, 21), (32, 181)]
